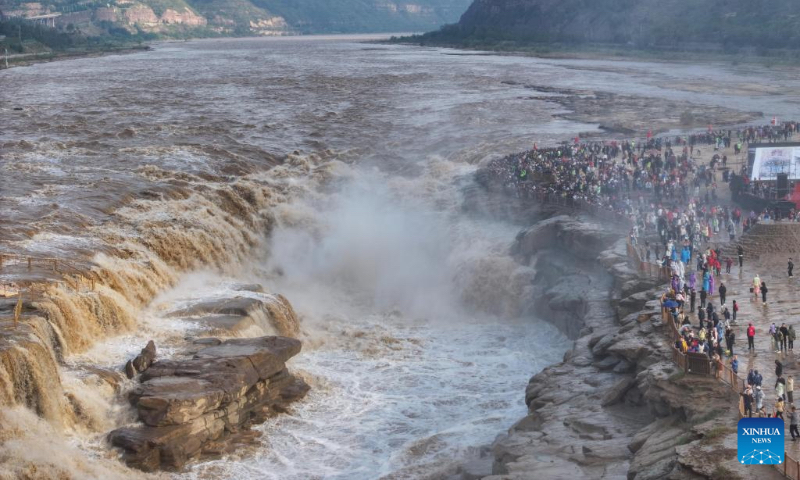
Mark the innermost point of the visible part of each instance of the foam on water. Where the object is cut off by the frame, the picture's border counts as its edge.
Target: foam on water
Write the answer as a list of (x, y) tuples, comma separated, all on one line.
[(393, 396), (414, 365)]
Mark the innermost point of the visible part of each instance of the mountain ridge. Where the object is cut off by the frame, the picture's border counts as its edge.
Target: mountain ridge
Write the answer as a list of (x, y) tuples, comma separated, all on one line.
[(724, 25)]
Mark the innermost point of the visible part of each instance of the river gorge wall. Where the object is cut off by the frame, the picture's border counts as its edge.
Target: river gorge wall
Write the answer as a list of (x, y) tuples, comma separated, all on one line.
[(616, 406)]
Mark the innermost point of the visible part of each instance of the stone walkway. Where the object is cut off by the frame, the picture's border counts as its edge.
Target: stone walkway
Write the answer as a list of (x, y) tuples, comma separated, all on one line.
[(783, 300)]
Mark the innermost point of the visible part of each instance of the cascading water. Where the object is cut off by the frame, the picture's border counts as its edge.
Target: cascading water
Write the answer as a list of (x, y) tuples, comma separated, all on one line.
[(414, 361), (417, 337)]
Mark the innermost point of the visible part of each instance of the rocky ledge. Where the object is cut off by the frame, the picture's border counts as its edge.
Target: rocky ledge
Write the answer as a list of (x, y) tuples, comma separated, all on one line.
[(616, 407), (196, 406)]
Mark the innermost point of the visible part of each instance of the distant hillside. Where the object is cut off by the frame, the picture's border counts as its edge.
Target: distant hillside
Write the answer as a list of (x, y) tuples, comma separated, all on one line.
[(728, 25), (313, 16), (188, 18)]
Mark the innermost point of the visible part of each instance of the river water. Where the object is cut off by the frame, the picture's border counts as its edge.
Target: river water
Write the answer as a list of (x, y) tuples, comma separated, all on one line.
[(418, 336)]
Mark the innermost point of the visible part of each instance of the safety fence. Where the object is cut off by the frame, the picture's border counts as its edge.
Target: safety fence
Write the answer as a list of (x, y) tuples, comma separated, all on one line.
[(573, 205), (648, 269), (700, 364)]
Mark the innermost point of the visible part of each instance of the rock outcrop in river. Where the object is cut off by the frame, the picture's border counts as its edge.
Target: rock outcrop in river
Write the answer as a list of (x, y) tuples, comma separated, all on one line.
[(190, 407)]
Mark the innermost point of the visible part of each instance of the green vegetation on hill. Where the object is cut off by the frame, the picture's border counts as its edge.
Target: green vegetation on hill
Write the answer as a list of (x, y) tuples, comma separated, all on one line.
[(349, 16), (728, 26), (239, 12), (246, 17), (26, 37), (161, 6)]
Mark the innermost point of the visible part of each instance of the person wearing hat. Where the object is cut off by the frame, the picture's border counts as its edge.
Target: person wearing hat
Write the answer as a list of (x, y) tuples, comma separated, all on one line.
[(759, 398), (790, 267)]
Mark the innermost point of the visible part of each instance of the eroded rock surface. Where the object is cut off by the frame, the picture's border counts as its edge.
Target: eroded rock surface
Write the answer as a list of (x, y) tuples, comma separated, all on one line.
[(616, 407), (141, 362), (191, 406), (271, 314)]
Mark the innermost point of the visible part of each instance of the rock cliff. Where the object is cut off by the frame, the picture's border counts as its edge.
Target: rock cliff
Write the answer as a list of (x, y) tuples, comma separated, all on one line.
[(249, 17), (616, 407)]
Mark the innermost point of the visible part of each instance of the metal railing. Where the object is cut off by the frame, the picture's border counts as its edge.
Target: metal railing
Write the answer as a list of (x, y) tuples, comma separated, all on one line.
[(700, 364), (649, 269), (577, 205)]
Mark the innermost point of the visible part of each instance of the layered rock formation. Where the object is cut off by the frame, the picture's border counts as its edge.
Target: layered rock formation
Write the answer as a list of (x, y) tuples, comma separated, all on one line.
[(262, 17), (616, 407), (194, 406), (235, 316)]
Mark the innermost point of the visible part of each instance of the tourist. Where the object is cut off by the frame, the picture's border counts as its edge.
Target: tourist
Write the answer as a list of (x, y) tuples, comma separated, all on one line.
[(792, 336), (793, 424), (778, 368), (716, 361), (751, 335), (764, 292), (759, 398), (756, 286), (780, 387), (735, 365), (722, 291), (735, 310), (747, 398), (730, 337), (790, 267), (692, 299), (703, 295), (784, 337), (757, 379), (773, 335), (779, 404), (740, 252), (790, 388), (728, 263), (751, 376)]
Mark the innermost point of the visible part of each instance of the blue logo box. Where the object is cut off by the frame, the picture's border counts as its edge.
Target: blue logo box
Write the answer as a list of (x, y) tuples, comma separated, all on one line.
[(760, 441)]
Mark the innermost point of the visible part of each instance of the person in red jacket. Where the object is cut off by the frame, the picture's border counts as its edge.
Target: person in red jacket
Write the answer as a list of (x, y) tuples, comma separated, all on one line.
[(751, 335)]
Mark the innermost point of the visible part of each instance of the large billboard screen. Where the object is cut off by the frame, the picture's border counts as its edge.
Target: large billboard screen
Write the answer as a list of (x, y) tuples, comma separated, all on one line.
[(768, 162)]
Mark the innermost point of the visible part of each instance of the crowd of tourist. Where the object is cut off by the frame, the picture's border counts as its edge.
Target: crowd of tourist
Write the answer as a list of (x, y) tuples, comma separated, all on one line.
[(621, 175), (679, 222)]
